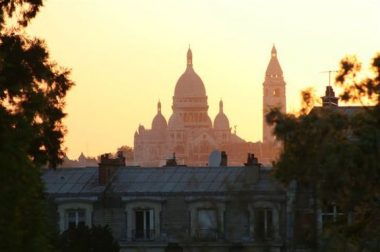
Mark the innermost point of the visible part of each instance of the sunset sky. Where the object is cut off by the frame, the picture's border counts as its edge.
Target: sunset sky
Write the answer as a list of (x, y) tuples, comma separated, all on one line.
[(126, 55)]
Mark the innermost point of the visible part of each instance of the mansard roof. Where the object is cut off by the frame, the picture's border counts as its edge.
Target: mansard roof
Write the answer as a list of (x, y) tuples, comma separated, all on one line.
[(160, 180), (72, 181)]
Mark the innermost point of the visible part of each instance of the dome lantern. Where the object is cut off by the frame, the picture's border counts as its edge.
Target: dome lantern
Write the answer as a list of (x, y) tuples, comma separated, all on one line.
[(221, 121), (189, 58), (159, 121)]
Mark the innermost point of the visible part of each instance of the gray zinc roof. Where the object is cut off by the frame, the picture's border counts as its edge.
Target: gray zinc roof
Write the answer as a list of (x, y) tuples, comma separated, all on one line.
[(72, 181), (137, 180), (159, 180)]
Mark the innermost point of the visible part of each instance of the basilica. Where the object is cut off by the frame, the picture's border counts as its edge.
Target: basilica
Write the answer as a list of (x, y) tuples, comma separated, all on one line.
[(191, 135)]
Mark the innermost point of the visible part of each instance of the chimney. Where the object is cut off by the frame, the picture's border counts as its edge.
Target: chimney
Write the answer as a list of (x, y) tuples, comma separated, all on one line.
[(108, 167), (223, 161), (171, 161), (252, 160), (253, 169), (329, 100)]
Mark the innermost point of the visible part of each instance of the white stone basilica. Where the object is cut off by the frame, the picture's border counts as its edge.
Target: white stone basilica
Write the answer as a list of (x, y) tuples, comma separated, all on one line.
[(190, 133)]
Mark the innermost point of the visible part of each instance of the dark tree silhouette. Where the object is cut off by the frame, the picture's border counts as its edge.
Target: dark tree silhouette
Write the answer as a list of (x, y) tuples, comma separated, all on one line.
[(83, 239), (127, 152), (32, 91), (337, 154)]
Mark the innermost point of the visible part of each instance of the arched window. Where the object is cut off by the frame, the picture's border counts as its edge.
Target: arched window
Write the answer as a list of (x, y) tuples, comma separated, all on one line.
[(276, 92)]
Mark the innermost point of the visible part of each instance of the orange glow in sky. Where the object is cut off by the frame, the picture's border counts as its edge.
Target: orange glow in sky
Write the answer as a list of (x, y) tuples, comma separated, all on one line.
[(125, 55)]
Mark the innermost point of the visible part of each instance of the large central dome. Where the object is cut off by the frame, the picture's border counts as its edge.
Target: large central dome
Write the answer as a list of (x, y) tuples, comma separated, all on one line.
[(189, 85), (190, 100)]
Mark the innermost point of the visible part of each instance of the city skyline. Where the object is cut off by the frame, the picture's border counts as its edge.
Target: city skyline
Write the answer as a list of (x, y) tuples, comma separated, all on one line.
[(125, 56)]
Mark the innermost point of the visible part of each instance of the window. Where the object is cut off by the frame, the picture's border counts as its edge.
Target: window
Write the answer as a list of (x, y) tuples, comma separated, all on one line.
[(207, 224), (75, 218), (143, 219), (332, 214), (206, 219), (276, 92), (263, 223), (265, 220), (74, 214), (144, 224)]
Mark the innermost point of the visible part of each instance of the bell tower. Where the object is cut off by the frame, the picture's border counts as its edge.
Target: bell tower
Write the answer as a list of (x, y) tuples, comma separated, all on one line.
[(274, 93)]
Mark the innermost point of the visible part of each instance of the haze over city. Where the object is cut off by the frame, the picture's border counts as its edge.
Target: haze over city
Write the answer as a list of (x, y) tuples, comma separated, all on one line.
[(127, 55)]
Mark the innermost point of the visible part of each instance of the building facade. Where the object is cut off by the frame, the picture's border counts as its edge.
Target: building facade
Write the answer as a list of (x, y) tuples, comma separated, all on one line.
[(174, 208), (192, 135)]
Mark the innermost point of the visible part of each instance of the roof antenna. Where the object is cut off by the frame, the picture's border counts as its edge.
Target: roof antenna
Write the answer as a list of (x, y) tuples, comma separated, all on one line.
[(329, 71)]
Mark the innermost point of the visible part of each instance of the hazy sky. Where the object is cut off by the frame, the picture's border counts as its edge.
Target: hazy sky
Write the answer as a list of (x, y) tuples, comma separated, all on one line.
[(126, 55)]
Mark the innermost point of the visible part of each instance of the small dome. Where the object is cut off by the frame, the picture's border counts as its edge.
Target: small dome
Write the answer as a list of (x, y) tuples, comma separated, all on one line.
[(189, 84), (221, 121), (159, 121), (141, 129), (175, 122)]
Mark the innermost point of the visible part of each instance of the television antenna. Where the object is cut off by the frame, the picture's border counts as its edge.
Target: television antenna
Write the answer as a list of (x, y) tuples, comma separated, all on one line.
[(329, 71)]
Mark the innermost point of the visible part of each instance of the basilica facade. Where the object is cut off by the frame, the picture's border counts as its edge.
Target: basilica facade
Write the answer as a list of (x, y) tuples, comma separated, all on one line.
[(191, 135)]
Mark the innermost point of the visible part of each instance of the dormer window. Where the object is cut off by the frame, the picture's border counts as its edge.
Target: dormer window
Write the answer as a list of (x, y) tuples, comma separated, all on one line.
[(144, 225), (72, 214), (143, 220), (206, 220), (207, 224), (263, 219), (75, 218)]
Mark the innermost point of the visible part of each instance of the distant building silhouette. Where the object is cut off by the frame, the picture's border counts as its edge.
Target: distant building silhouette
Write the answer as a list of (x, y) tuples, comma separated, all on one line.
[(82, 161), (274, 95), (190, 132)]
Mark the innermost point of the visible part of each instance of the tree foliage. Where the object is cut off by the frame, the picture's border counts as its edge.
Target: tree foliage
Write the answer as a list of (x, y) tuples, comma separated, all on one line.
[(32, 91), (337, 152), (19, 11), (127, 152), (83, 239)]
